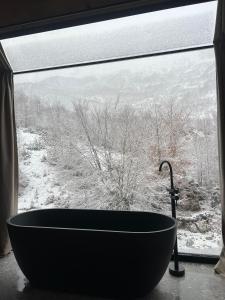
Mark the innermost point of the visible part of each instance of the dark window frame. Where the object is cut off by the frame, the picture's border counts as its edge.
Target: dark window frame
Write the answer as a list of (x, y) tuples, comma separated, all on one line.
[(70, 20), (93, 15)]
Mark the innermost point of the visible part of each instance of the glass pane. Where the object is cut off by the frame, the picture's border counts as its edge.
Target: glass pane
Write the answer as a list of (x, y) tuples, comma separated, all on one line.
[(93, 137), (135, 35)]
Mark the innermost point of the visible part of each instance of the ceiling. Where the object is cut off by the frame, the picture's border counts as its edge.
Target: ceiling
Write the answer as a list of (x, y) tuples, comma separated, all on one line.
[(30, 16)]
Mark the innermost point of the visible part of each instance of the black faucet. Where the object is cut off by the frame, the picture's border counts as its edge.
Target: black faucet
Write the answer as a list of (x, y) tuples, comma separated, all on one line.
[(176, 269)]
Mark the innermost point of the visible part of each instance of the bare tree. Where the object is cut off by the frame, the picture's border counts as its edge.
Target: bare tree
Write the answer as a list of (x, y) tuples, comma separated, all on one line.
[(113, 144)]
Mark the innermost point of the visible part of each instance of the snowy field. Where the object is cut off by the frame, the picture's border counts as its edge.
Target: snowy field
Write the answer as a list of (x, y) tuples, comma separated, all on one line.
[(38, 186), (44, 185)]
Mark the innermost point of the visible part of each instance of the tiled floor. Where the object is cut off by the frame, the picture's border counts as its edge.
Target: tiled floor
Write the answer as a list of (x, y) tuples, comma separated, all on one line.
[(200, 282)]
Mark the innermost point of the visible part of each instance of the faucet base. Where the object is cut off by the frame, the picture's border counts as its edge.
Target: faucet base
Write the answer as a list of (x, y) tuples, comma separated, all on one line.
[(176, 272)]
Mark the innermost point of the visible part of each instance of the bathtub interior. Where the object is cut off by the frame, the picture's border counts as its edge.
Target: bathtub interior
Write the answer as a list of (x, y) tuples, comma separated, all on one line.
[(95, 220)]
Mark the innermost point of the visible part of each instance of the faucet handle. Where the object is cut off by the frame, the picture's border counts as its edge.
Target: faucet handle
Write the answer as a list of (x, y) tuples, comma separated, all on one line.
[(171, 191)]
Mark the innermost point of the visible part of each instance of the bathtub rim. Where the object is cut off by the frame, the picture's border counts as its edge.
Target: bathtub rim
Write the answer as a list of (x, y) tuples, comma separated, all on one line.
[(174, 226)]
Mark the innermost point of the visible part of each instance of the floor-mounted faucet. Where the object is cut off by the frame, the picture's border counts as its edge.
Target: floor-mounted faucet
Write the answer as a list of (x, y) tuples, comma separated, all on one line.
[(174, 269)]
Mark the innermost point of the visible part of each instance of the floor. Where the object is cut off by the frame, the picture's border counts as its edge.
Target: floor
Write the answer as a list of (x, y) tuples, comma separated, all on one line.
[(200, 282)]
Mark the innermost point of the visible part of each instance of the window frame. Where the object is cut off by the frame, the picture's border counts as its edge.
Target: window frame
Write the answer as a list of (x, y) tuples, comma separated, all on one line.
[(91, 15), (67, 21)]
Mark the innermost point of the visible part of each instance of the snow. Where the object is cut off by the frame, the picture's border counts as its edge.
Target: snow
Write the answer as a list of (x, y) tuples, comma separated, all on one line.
[(210, 243), (41, 189)]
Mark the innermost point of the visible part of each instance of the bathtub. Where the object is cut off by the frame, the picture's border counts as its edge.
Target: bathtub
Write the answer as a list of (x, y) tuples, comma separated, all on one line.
[(97, 252)]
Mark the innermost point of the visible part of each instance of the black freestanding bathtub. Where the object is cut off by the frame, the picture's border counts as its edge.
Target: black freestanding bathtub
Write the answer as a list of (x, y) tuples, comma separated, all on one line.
[(109, 253)]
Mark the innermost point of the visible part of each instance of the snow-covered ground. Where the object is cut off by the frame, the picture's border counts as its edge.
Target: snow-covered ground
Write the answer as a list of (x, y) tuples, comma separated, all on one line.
[(207, 243), (44, 185), (38, 185)]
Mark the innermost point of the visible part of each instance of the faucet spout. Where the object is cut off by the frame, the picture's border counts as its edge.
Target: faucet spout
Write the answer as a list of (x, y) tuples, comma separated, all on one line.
[(171, 172)]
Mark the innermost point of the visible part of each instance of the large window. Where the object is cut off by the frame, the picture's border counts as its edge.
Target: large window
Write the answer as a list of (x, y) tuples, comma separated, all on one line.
[(93, 136)]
